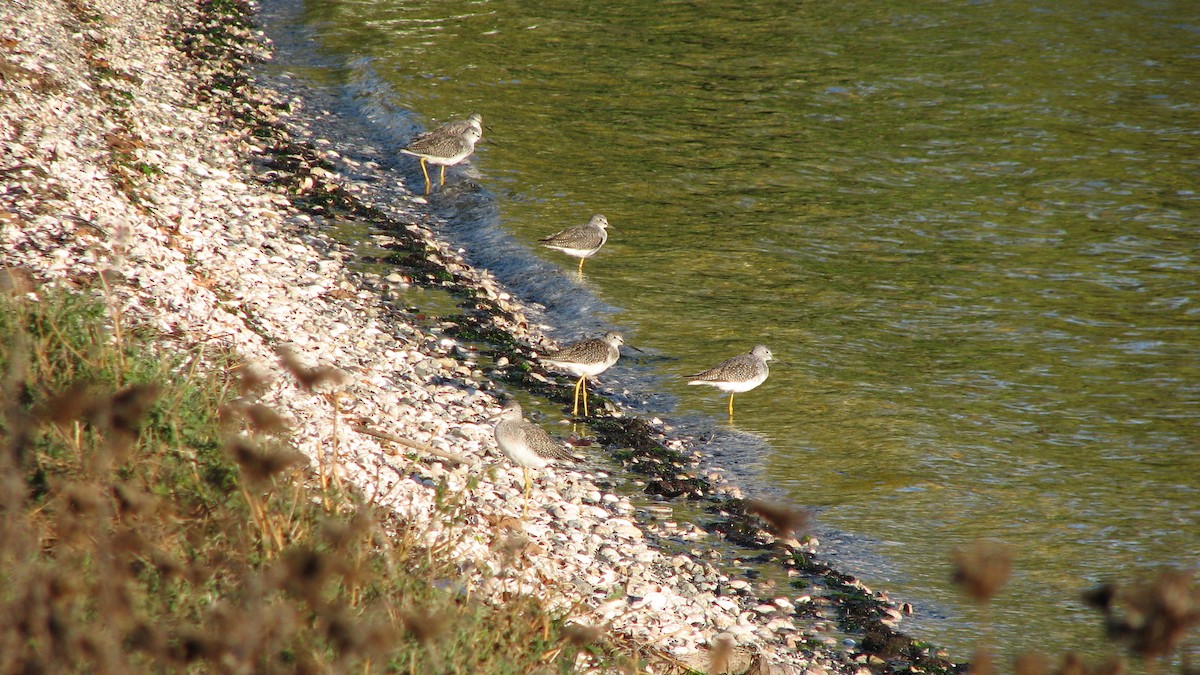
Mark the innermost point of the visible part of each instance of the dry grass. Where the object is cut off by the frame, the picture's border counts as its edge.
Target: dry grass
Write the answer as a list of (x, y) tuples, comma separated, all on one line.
[(153, 518)]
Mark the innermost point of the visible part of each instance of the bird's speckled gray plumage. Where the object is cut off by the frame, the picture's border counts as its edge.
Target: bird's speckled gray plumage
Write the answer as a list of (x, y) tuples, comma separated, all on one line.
[(525, 443), (447, 145), (738, 374), (585, 359), (588, 357), (444, 148), (580, 241)]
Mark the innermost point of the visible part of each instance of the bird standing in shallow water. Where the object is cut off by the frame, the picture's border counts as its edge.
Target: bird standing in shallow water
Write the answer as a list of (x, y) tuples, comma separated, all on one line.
[(446, 145), (526, 444), (738, 374), (585, 359), (580, 241)]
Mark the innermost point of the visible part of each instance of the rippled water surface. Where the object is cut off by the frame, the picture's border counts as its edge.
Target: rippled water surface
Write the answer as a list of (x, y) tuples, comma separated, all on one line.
[(968, 230)]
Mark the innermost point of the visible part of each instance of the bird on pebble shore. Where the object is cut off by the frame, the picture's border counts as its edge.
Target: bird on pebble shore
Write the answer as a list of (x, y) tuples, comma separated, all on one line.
[(738, 374), (586, 358), (527, 445), (580, 241), (446, 145)]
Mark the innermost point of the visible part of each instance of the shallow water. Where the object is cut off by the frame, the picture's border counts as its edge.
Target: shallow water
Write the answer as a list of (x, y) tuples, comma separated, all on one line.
[(969, 232)]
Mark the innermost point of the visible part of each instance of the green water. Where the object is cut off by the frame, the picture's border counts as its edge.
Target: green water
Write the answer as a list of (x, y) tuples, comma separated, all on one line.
[(969, 230)]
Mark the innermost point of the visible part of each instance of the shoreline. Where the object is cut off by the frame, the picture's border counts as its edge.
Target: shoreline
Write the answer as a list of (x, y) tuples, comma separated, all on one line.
[(144, 153)]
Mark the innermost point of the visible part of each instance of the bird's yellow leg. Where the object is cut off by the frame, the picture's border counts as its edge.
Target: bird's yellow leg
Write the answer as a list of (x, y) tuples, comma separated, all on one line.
[(585, 409), (731, 407), (575, 408), (528, 487), (426, 172), (581, 265), (443, 178)]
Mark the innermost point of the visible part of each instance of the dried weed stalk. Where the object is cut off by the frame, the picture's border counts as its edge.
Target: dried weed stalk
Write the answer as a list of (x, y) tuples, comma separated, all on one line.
[(1151, 616), (982, 569), (785, 522)]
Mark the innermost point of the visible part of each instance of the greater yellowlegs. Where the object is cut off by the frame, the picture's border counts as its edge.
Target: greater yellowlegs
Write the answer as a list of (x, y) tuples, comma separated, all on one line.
[(741, 373), (587, 358), (446, 145), (526, 444), (580, 241)]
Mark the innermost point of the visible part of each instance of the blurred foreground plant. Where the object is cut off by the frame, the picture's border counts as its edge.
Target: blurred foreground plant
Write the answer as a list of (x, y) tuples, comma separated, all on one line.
[(1151, 617), (127, 484)]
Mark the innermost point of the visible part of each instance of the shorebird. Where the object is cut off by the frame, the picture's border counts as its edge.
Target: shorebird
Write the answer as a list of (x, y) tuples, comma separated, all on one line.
[(526, 444), (446, 145), (738, 374), (580, 241), (587, 358)]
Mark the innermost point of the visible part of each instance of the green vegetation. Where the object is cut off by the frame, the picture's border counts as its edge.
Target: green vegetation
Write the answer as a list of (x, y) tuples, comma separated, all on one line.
[(153, 515)]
